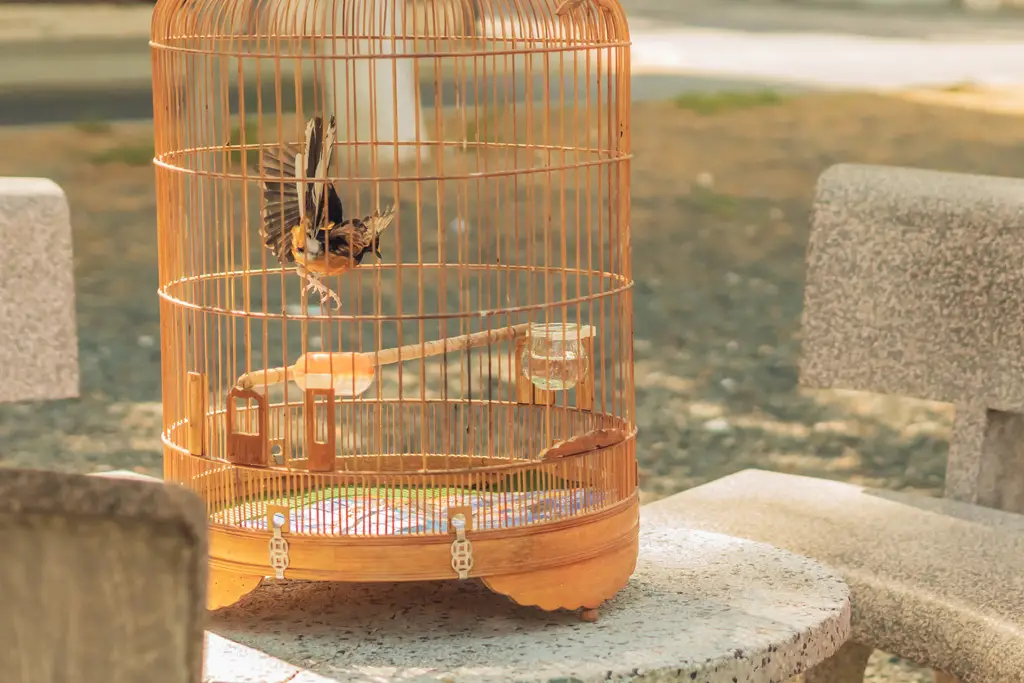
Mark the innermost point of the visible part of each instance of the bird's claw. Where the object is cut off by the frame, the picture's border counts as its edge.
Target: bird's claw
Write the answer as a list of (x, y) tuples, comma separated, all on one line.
[(334, 298), (325, 292)]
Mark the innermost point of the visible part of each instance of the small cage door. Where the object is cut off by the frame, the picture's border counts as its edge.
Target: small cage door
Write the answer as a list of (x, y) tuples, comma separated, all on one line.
[(244, 447)]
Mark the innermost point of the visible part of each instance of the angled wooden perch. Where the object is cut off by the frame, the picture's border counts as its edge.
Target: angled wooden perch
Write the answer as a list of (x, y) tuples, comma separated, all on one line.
[(350, 373)]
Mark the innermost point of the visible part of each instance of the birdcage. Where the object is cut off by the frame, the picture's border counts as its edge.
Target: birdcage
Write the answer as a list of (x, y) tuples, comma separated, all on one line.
[(396, 318)]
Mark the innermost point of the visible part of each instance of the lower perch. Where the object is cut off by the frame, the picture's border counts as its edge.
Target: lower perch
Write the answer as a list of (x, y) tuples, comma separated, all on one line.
[(351, 373)]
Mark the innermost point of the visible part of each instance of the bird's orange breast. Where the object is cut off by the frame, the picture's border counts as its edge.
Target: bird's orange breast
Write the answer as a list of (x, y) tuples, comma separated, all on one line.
[(323, 263)]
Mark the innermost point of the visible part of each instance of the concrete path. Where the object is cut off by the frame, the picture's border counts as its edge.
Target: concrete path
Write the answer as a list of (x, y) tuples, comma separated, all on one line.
[(72, 63), (929, 20), (827, 60)]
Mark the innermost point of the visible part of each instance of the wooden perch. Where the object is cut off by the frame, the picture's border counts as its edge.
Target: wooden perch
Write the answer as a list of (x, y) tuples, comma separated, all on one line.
[(591, 441), (322, 370)]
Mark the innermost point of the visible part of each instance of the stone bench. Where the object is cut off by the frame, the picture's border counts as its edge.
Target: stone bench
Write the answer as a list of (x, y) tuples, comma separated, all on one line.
[(933, 580), (101, 580), (38, 340), (915, 287), (699, 607)]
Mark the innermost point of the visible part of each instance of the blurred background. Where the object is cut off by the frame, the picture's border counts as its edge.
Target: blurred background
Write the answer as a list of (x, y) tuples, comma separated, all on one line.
[(739, 106)]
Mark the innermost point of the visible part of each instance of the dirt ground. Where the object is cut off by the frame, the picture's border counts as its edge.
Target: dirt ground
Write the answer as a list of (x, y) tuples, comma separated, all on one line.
[(720, 208)]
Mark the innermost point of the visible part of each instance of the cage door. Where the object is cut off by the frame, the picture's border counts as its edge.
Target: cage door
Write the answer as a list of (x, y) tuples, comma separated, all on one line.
[(246, 447), (321, 440)]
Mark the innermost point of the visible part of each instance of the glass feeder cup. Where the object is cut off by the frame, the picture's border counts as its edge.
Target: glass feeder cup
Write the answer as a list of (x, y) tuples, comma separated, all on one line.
[(554, 359)]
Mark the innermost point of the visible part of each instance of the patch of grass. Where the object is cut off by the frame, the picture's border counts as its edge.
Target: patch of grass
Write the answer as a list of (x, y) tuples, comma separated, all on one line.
[(473, 132), (487, 130), (130, 154), (711, 203), (482, 131), (92, 126), (708, 103), (965, 86), (249, 157)]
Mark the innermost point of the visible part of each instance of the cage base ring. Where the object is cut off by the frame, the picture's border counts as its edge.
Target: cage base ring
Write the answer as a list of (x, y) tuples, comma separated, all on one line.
[(576, 564), (583, 585)]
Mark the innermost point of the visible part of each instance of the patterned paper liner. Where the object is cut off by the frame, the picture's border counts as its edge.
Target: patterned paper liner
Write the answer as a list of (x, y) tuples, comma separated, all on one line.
[(391, 513)]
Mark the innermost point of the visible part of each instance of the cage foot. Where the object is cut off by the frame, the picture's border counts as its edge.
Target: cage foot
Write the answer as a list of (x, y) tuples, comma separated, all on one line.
[(226, 588), (583, 585)]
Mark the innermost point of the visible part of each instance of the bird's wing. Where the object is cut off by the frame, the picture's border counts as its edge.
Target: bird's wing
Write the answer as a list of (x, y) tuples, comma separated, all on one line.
[(319, 151), (348, 239), (354, 237), (379, 222), (281, 206), (335, 209), (299, 172)]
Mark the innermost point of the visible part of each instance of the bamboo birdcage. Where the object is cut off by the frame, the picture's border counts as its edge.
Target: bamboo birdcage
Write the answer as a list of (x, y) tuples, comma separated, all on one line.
[(468, 411)]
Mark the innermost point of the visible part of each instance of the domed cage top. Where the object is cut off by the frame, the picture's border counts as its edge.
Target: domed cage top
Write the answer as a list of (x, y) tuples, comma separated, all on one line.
[(396, 319)]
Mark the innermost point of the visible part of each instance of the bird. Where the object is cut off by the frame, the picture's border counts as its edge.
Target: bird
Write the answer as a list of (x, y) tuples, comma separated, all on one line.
[(304, 222)]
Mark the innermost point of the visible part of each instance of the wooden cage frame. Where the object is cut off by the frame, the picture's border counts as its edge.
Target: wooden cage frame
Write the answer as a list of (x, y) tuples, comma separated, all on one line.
[(538, 497)]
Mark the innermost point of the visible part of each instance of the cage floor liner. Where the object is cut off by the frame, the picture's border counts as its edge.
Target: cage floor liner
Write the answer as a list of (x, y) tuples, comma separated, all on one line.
[(387, 513)]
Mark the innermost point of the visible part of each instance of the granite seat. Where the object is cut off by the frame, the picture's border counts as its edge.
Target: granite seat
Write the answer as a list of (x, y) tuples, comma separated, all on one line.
[(102, 579), (38, 338), (914, 288), (936, 581)]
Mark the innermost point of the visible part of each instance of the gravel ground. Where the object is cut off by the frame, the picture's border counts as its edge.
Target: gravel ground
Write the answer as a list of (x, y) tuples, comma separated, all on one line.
[(720, 226)]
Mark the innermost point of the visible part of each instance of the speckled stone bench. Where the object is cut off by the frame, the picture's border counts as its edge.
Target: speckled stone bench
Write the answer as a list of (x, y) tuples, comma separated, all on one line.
[(744, 612), (700, 607), (933, 580), (101, 580), (915, 287), (38, 341)]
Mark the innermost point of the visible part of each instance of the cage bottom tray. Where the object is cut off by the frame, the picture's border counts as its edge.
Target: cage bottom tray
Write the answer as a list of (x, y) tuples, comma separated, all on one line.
[(376, 512), (555, 549)]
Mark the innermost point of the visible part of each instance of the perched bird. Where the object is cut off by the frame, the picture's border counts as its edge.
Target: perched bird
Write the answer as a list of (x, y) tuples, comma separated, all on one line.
[(304, 220)]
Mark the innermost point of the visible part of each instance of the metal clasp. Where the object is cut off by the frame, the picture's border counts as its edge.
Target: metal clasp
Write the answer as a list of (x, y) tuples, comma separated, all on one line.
[(461, 520), (277, 522)]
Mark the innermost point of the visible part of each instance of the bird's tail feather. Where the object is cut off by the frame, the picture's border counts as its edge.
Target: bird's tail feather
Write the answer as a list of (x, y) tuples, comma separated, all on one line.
[(318, 153), (380, 220), (288, 197)]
